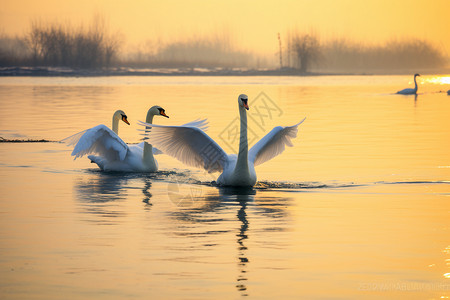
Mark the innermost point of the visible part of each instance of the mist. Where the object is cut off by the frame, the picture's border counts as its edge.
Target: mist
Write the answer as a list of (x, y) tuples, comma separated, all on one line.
[(207, 51), (306, 52), (95, 46)]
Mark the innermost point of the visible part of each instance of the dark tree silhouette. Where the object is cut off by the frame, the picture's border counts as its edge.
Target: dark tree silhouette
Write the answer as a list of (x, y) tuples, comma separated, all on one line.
[(66, 46), (306, 51)]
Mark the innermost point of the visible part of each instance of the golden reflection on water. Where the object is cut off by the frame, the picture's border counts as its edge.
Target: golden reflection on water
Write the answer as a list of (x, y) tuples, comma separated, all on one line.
[(438, 80), (369, 204)]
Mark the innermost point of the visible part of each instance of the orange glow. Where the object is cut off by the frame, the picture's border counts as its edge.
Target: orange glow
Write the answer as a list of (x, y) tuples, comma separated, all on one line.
[(253, 24), (439, 80)]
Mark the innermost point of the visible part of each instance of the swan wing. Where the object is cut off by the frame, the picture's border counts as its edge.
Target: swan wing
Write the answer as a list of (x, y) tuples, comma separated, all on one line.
[(73, 139), (155, 150), (187, 143), (98, 140), (273, 143), (201, 124)]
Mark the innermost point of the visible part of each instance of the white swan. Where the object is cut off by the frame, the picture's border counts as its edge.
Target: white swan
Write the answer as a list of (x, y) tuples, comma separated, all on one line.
[(195, 148), (410, 91), (113, 154)]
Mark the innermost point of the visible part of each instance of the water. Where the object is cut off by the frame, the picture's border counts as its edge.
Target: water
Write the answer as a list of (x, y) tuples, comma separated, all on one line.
[(358, 208)]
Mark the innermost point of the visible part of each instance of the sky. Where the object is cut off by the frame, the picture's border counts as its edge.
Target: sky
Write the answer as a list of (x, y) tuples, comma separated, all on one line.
[(253, 25)]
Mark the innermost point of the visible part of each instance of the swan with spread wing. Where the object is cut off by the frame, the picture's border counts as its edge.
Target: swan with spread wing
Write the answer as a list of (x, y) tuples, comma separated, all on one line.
[(195, 148), (111, 152)]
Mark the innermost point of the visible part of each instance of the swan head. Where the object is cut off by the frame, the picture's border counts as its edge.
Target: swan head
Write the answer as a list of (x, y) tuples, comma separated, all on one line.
[(417, 74), (120, 115), (243, 101), (157, 111)]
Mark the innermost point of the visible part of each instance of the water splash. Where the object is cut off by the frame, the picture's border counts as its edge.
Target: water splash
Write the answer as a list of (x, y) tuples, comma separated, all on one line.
[(190, 178)]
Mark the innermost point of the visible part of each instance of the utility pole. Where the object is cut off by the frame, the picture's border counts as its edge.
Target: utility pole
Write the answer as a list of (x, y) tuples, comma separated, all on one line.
[(281, 53)]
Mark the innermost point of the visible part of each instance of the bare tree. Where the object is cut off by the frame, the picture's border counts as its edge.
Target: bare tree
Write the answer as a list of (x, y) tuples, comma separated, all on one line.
[(306, 50), (344, 55), (33, 42), (57, 45)]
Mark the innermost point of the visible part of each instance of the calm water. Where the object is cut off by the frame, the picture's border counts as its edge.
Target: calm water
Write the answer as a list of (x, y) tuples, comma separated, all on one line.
[(357, 209)]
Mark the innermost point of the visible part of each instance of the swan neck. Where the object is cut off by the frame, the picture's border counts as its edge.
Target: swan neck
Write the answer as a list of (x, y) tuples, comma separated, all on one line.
[(148, 158), (243, 142), (115, 124), (415, 83), (149, 118), (148, 149)]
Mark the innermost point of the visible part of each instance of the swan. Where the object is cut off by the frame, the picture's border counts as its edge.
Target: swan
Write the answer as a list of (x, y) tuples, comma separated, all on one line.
[(195, 148), (113, 154), (410, 91)]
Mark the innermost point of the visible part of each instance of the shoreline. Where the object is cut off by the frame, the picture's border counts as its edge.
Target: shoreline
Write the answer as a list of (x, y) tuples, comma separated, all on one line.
[(68, 72)]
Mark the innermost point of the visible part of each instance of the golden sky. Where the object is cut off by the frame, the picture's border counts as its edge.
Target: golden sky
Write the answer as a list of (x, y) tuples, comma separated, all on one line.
[(253, 24)]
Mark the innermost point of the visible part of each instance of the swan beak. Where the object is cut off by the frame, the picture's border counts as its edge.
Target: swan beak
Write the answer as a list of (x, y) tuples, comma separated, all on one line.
[(124, 118), (246, 106), (164, 114)]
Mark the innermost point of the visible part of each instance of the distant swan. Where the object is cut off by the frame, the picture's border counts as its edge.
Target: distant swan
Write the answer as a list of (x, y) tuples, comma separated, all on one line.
[(113, 154), (410, 91), (195, 148)]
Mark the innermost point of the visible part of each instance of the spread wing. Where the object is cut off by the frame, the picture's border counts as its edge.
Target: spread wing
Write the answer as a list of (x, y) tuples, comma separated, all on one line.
[(187, 143), (155, 150), (201, 124), (273, 143), (98, 140)]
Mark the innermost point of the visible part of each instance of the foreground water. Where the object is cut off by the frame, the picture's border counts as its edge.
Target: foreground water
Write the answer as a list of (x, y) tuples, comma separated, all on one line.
[(358, 208)]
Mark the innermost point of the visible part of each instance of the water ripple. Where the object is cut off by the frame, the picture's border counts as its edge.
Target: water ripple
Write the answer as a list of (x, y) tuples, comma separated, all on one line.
[(189, 177)]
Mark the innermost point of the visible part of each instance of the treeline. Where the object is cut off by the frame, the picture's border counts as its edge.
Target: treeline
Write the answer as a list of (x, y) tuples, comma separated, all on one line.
[(411, 54), (58, 45), (198, 51), (94, 46), (14, 51), (306, 52)]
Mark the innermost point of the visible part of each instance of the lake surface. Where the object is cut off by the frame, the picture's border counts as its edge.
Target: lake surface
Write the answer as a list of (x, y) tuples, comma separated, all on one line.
[(357, 209)]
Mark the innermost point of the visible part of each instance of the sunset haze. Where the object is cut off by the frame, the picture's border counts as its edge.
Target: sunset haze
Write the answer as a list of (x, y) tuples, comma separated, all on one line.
[(253, 25)]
